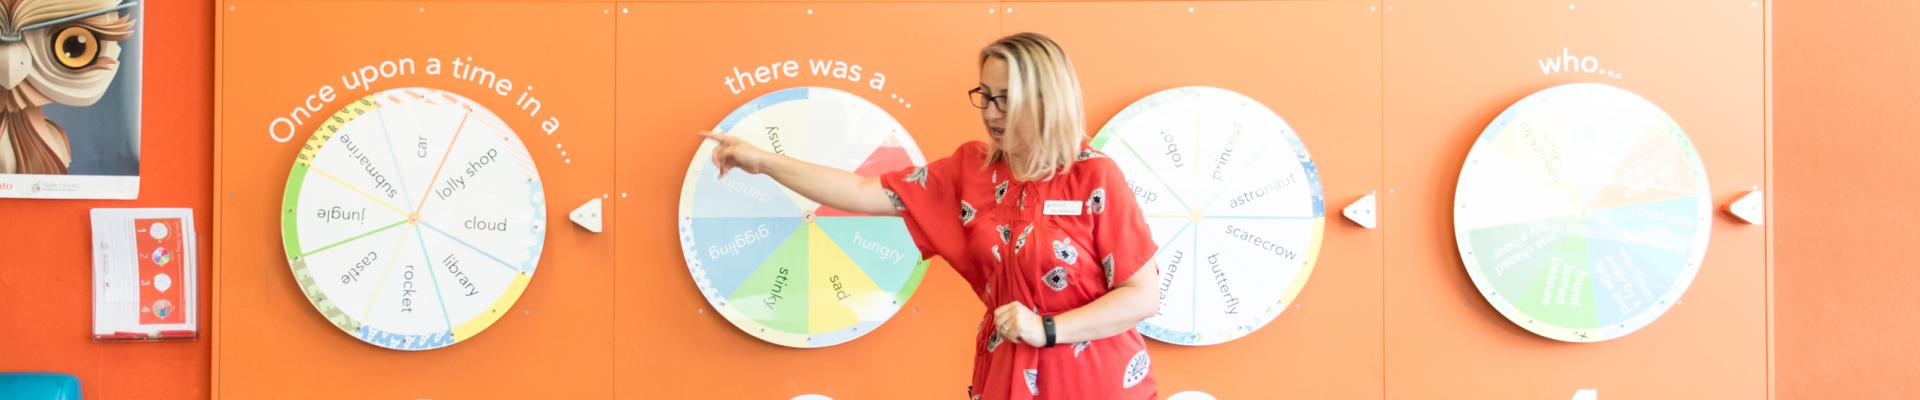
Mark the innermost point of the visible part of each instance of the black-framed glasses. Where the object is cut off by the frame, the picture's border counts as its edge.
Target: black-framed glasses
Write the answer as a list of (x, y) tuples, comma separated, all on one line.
[(981, 100)]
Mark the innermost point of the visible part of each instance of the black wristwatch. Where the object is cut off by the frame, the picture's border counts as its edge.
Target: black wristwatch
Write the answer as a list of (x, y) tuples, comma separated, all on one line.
[(1047, 321)]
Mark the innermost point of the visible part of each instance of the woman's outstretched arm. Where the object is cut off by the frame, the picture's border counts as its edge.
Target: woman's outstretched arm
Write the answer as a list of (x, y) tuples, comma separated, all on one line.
[(831, 187)]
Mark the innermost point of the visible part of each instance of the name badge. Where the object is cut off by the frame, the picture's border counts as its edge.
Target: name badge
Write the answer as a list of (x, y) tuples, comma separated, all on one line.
[(1061, 207)]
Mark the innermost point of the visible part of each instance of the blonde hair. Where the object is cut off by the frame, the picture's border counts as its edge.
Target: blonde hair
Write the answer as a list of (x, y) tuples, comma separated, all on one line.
[(1043, 110)]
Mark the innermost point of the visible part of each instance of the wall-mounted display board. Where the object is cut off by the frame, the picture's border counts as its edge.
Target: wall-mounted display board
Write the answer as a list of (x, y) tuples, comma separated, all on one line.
[(1452, 69), (445, 152), (606, 99)]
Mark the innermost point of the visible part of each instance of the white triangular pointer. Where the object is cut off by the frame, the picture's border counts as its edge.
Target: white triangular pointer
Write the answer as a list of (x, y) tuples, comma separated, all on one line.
[(1750, 208), (1361, 211), (587, 215)]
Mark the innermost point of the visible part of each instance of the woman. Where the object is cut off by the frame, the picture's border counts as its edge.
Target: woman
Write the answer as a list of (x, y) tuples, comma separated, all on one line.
[(1043, 228)]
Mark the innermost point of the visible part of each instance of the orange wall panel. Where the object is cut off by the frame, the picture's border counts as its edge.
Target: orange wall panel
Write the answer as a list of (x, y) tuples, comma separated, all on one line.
[(1386, 96), (556, 340), (1317, 65), (1451, 67), (1845, 131), (672, 344), (46, 304)]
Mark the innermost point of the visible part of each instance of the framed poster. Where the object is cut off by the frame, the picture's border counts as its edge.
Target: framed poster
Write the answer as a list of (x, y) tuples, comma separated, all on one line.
[(70, 122)]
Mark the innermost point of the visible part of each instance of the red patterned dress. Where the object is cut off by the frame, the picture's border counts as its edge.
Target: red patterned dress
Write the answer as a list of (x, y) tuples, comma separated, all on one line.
[(1054, 245)]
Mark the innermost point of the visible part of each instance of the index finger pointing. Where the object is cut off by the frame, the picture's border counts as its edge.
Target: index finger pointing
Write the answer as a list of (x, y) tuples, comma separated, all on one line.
[(714, 136)]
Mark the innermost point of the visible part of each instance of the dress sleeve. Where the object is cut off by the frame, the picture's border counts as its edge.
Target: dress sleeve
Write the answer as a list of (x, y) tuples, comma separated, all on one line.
[(928, 198), (1120, 234)]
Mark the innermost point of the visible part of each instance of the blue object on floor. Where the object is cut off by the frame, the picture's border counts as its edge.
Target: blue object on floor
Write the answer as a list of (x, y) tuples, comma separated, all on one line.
[(38, 386)]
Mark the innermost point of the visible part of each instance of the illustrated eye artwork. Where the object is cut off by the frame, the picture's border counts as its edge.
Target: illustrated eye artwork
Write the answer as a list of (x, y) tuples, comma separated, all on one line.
[(76, 47), (69, 53)]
